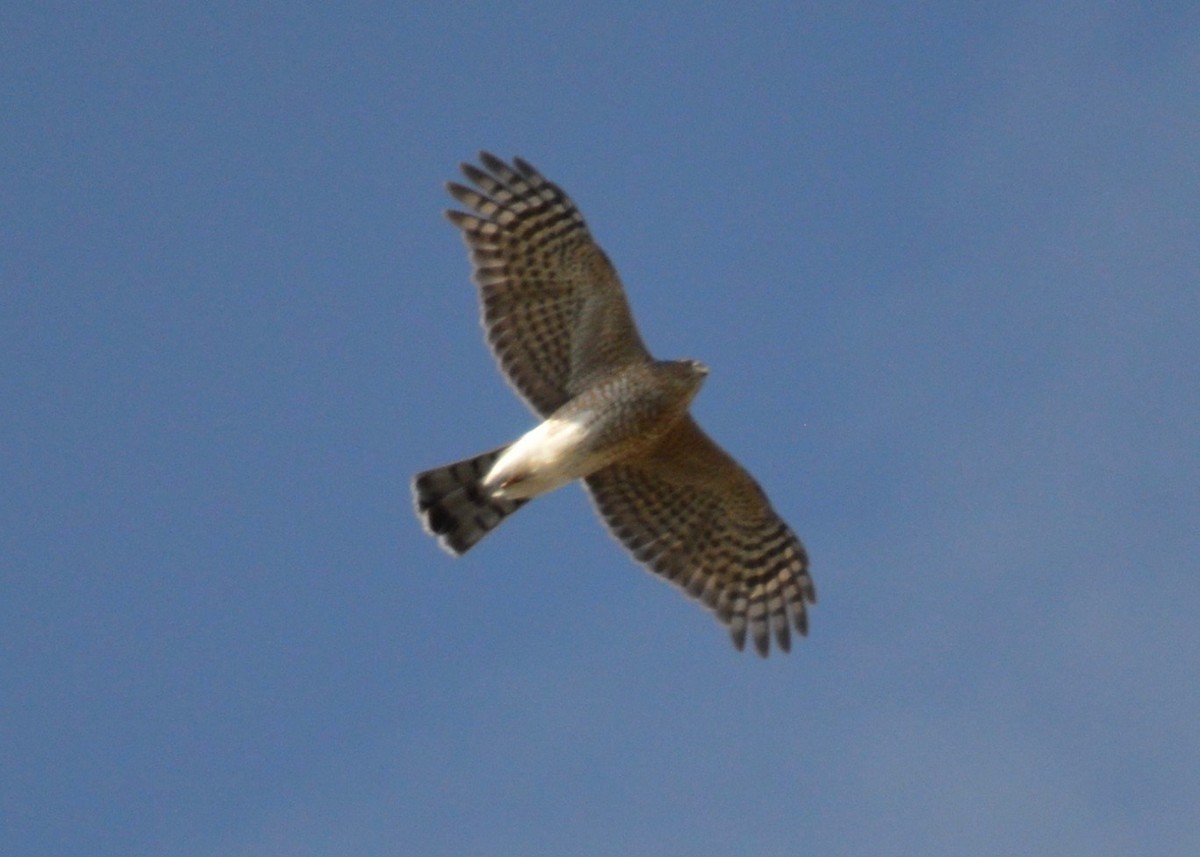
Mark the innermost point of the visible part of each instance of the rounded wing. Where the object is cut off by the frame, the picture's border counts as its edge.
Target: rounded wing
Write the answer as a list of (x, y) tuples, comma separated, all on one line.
[(554, 312), (690, 513)]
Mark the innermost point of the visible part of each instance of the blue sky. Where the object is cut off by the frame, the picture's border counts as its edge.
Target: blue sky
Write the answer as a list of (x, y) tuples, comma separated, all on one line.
[(942, 261)]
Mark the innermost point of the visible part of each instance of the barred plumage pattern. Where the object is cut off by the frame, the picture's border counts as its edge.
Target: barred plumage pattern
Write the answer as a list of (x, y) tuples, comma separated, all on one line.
[(554, 311), (692, 514), (558, 323), (453, 507)]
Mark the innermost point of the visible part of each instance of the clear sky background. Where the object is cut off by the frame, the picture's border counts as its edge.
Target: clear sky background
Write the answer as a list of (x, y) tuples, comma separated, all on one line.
[(944, 262)]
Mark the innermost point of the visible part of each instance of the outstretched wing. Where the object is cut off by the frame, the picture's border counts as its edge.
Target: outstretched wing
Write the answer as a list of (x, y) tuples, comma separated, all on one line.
[(554, 311), (692, 514)]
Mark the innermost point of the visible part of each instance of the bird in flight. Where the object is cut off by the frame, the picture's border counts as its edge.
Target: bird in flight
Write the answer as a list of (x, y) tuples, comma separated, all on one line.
[(558, 323)]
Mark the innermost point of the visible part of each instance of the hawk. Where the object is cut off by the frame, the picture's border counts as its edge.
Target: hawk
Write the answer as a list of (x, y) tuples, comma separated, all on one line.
[(557, 321)]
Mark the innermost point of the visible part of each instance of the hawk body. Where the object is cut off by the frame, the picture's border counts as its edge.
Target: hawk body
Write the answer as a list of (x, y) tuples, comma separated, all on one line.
[(557, 321), (612, 420)]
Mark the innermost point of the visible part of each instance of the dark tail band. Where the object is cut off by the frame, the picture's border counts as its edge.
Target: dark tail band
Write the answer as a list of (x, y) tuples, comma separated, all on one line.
[(453, 506)]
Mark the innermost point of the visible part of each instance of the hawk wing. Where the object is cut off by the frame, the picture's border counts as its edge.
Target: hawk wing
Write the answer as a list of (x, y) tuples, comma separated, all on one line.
[(693, 515), (554, 311)]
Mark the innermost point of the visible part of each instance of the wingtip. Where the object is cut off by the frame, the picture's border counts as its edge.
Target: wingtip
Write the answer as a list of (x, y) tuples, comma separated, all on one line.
[(738, 636), (762, 646), (492, 162), (525, 168)]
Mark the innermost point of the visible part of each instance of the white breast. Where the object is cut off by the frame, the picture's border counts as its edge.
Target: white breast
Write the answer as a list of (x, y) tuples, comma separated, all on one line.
[(544, 458)]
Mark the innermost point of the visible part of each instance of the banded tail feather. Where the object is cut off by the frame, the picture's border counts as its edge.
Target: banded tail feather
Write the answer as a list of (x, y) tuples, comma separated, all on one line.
[(453, 506)]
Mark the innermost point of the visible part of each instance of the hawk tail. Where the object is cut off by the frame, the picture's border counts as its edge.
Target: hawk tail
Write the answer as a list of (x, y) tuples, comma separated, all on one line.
[(453, 506)]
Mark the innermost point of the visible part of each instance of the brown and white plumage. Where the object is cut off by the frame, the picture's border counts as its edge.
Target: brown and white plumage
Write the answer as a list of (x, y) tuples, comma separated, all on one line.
[(554, 311), (692, 514), (557, 320)]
